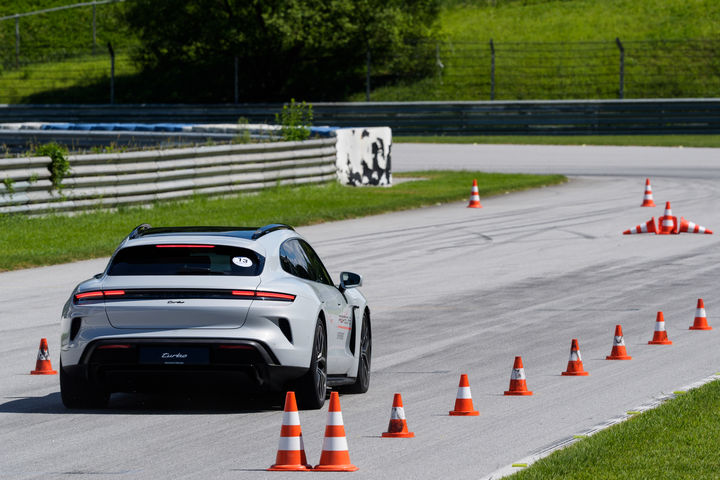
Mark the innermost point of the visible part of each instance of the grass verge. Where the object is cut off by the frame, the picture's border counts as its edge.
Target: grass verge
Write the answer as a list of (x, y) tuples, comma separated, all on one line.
[(677, 440), (33, 241), (708, 141)]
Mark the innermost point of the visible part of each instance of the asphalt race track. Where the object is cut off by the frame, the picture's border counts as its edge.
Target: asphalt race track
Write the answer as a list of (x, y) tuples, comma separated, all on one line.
[(453, 290)]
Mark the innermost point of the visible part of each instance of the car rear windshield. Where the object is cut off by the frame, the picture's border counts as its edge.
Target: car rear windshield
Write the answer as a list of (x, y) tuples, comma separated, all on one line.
[(186, 260)]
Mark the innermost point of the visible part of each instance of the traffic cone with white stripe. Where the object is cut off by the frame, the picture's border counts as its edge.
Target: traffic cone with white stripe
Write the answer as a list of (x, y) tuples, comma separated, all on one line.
[(463, 401), (648, 227), (687, 226), (474, 196), (648, 198), (700, 317), (660, 335), (575, 365), (668, 223), (291, 450), (43, 365), (618, 350), (517, 379), (335, 456), (398, 425)]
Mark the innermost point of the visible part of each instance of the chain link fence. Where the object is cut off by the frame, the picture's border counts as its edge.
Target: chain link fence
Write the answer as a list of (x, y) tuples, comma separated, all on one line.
[(488, 70)]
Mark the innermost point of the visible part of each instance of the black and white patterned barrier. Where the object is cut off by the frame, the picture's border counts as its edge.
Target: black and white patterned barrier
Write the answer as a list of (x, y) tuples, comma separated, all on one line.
[(364, 156)]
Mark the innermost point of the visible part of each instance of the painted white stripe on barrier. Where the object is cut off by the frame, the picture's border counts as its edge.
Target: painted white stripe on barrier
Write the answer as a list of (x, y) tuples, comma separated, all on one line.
[(398, 413), (335, 444), (464, 392), (290, 443), (334, 418), (291, 418)]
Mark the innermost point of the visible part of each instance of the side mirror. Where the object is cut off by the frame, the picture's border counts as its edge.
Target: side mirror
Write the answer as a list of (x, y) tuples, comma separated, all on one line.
[(350, 280)]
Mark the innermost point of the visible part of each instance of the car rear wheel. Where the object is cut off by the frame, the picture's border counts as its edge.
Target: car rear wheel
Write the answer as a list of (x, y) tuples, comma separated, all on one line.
[(312, 387), (79, 393), (362, 381)]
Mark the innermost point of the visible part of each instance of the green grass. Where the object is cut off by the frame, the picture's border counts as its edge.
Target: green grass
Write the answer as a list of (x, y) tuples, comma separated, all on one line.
[(32, 241), (707, 141), (678, 440)]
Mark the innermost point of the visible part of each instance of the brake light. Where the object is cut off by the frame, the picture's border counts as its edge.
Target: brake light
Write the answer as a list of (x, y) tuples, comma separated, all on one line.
[(184, 246), (243, 293), (88, 295), (98, 294), (114, 347), (264, 295), (113, 293)]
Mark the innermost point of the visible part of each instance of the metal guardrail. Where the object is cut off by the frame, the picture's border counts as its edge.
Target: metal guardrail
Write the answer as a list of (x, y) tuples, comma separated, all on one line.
[(574, 117), (114, 179)]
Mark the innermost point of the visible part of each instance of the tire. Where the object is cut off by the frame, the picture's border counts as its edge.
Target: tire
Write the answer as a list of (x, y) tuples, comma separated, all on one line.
[(312, 387), (79, 393), (362, 381)]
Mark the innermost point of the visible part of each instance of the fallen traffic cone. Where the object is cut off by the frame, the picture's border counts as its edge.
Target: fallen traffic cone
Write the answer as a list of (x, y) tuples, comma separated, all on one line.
[(700, 317), (687, 226), (648, 198), (575, 365), (43, 366), (517, 379), (335, 456), (648, 227), (291, 450), (398, 425), (668, 223), (618, 350), (463, 401), (660, 336), (474, 196)]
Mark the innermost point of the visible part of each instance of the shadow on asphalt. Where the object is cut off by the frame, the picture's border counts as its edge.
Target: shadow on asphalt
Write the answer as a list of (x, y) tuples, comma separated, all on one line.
[(149, 404)]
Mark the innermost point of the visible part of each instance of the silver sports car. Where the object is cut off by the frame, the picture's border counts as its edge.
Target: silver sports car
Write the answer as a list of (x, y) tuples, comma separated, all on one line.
[(222, 307)]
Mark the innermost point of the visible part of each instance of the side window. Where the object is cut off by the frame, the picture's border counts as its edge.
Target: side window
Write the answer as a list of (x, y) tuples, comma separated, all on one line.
[(318, 270), (293, 260)]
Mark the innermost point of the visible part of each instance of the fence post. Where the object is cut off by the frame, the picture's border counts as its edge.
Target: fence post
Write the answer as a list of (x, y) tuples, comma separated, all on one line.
[(112, 73), (17, 40), (492, 70), (236, 83), (367, 76), (621, 91)]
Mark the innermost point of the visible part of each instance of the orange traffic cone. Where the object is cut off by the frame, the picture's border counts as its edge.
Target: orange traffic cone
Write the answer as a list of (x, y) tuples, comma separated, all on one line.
[(668, 223), (690, 227), (517, 379), (618, 350), (335, 456), (474, 196), (43, 366), (660, 336), (575, 365), (291, 450), (700, 317), (398, 425), (463, 401), (648, 198), (648, 227)]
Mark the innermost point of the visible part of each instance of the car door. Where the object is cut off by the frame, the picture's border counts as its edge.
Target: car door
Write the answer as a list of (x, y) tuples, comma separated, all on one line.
[(339, 321)]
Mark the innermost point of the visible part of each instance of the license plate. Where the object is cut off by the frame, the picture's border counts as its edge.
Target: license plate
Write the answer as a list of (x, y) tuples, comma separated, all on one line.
[(174, 356)]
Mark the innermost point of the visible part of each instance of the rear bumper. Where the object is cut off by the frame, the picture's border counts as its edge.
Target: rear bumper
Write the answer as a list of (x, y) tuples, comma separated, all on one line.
[(123, 365)]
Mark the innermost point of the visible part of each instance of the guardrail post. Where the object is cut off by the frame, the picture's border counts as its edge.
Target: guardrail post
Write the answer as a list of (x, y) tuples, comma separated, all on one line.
[(112, 73), (367, 76), (492, 70), (17, 40), (621, 91)]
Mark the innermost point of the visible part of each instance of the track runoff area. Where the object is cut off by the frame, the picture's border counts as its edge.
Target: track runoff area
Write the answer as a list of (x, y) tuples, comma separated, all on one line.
[(485, 294)]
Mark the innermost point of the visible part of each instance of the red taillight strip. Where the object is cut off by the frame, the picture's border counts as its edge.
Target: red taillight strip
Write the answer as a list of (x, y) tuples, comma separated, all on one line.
[(243, 293), (98, 294), (276, 295), (113, 293), (80, 296), (114, 347), (184, 246)]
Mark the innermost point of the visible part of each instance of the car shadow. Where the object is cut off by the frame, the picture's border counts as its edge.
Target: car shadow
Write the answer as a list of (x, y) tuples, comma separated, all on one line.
[(149, 404)]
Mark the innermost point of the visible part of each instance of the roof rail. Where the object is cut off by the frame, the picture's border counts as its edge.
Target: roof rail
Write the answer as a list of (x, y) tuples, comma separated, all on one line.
[(137, 231), (270, 228)]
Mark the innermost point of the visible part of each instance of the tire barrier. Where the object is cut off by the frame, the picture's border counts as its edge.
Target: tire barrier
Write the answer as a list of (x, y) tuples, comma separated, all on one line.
[(110, 180)]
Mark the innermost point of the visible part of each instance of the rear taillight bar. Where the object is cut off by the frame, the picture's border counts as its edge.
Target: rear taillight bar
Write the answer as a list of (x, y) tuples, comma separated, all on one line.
[(174, 245), (98, 295), (120, 346), (261, 295)]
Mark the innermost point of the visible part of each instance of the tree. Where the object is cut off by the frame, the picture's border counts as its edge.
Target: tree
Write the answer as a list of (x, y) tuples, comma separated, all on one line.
[(313, 49)]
